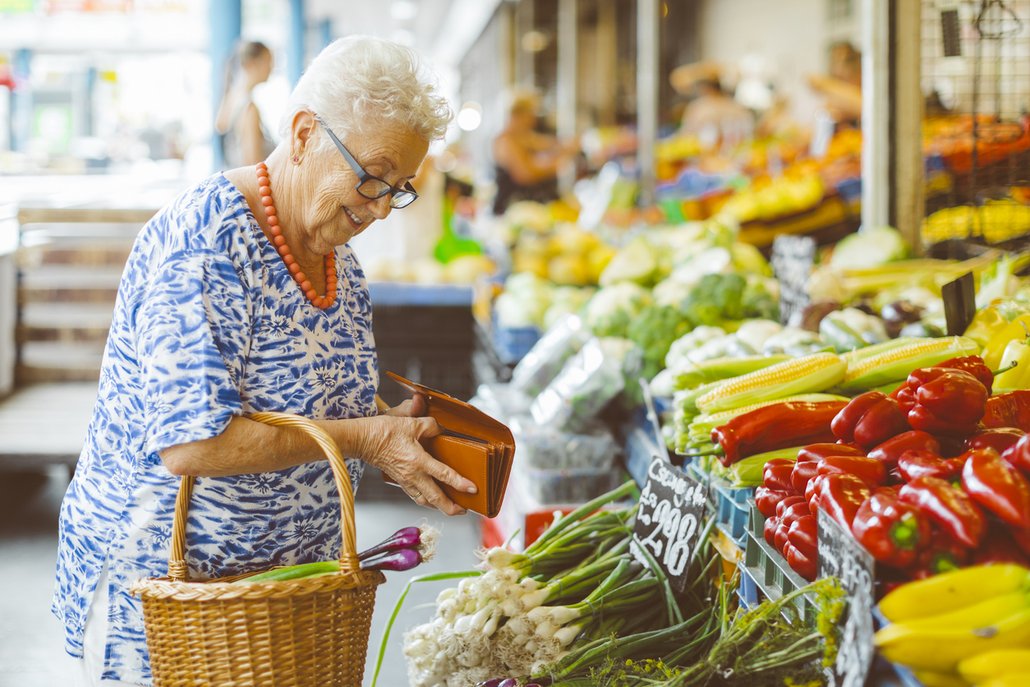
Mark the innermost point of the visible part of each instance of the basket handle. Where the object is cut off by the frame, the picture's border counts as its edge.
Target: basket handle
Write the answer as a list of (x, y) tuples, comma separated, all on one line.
[(348, 551)]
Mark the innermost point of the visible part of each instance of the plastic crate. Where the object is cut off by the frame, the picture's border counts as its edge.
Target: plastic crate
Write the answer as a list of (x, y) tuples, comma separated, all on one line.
[(747, 591), (513, 343), (772, 576), (732, 510), (691, 467)]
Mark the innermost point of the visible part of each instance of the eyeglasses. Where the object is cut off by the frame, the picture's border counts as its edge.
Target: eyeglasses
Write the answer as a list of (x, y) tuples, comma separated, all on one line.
[(369, 186)]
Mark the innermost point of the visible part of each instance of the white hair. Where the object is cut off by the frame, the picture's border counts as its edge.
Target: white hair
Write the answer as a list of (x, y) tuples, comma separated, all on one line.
[(361, 79)]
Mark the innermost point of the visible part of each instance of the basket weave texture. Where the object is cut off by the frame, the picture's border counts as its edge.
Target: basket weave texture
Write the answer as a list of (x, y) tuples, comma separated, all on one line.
[(290, 633)]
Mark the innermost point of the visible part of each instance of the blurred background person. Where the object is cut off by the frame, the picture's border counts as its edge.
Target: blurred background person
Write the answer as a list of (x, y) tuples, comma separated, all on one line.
[(841, 87), (712, 114), (526, 162), (245, 140)]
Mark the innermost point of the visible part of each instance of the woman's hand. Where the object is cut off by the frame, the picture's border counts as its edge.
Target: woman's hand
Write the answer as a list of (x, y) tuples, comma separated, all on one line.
[(392, 445)]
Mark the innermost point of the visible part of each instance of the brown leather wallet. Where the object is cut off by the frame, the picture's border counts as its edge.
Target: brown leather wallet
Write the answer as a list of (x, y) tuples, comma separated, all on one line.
[(475, 445)]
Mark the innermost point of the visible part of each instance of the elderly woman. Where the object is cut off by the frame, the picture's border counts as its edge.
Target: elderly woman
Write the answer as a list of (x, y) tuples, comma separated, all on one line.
[(243, 296)]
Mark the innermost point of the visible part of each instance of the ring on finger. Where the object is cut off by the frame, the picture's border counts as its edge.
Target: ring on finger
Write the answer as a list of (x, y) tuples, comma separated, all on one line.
[(417, 495)]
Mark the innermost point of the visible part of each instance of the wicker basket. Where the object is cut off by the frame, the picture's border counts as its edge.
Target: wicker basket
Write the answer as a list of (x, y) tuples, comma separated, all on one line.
[(294, 633)]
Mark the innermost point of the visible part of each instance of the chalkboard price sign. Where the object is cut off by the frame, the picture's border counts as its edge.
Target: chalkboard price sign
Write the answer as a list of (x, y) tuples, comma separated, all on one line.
[(669, 518), (792, 260), (842, 557)]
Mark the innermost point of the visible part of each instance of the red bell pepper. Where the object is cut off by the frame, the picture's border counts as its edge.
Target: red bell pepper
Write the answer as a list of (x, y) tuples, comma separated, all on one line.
[(905, 397), (869, 419), (766, 500), (947, 506), (794, 511), (942, 555), (780, 535), (915, 464), (800, 563), (974, 365), (840, 497), (949, 402), (1019, 455), (1010, 409), (776, 474), (998, 546), (773, 427), (998, 438), (802, 473), (786, 503), (804, 536), (812, 493), (769, 530), (889, 451), (816, 452), (869, 470), (893, 532), (998, 487)]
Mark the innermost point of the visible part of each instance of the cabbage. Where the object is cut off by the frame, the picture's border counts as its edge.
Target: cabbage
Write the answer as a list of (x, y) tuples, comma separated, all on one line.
[(869, 248), (637, 263)]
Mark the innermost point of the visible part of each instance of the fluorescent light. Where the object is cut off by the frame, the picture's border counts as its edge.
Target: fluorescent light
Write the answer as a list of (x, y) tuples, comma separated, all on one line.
[(470, 116)]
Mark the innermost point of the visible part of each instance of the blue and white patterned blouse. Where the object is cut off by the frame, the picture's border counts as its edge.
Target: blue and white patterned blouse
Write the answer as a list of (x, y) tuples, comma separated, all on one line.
[(208, 325)]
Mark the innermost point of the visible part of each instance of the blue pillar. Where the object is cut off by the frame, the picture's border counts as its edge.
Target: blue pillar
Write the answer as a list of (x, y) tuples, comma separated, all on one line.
[(88, 123), (225, 18), (295, 42), (21, 99), (325, 32)]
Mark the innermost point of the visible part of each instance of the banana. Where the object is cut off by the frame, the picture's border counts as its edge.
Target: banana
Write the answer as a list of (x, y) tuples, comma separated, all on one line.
[(971, 617), (983, 667), (950, 591), (1008, 680), (940, 648), (928, 678)]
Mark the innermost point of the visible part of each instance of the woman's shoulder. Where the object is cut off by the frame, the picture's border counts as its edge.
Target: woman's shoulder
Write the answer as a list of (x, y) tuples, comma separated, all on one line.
[(211, 215)]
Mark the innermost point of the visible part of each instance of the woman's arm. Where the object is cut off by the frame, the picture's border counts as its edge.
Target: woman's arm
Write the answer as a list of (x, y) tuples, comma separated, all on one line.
[(522, 164), (389, 442), (251, 139)]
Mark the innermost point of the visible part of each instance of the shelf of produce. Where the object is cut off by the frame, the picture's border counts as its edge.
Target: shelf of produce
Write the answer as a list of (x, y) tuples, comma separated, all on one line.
[(826, 223)]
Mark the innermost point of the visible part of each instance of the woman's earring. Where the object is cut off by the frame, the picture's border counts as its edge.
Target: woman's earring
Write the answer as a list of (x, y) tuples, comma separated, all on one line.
[(296, 159)]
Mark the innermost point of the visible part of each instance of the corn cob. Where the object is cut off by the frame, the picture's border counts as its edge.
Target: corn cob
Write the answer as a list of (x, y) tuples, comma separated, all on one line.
[(895, 364), (860, 354), (717, 369), (810, 374)]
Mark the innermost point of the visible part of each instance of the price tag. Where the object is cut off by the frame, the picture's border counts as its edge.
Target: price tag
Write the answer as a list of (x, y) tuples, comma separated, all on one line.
[(842, 557), (669, 517), (959, 303), (792, 260)]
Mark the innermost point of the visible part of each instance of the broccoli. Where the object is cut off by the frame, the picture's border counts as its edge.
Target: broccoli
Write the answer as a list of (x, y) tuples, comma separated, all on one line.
[(654, 331), (715, 298)]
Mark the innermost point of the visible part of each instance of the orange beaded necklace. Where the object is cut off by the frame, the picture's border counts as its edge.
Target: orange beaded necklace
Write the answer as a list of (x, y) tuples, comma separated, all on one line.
[(322, 302)]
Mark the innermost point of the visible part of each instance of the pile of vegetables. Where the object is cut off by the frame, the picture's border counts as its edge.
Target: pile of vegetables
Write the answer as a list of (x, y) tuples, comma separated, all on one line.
[(965, 627), (580, 607), (931, 477)]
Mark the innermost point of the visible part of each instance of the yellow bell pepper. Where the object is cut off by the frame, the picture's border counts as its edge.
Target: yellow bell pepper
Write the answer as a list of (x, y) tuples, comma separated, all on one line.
[(986, 323), (1016, 351), (1009, 331)]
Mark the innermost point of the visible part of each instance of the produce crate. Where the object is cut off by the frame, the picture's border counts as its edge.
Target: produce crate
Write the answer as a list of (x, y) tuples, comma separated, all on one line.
[(732, 510), (769, 570), (691, 467), (513, 343)]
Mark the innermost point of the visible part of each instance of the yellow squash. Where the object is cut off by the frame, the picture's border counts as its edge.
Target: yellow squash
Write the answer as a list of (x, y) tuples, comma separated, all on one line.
[(953, 590), (940, 649)]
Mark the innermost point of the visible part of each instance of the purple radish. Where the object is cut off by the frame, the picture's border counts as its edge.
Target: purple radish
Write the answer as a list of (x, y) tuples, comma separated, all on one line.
[(508, 682), (397, 561), (492, 682), (404, 538)]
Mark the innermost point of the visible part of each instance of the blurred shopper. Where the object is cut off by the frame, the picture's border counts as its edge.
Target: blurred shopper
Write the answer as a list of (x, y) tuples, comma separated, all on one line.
[(243, 295), (527, 162), (841, 87), (712, 114), (245, 140)]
